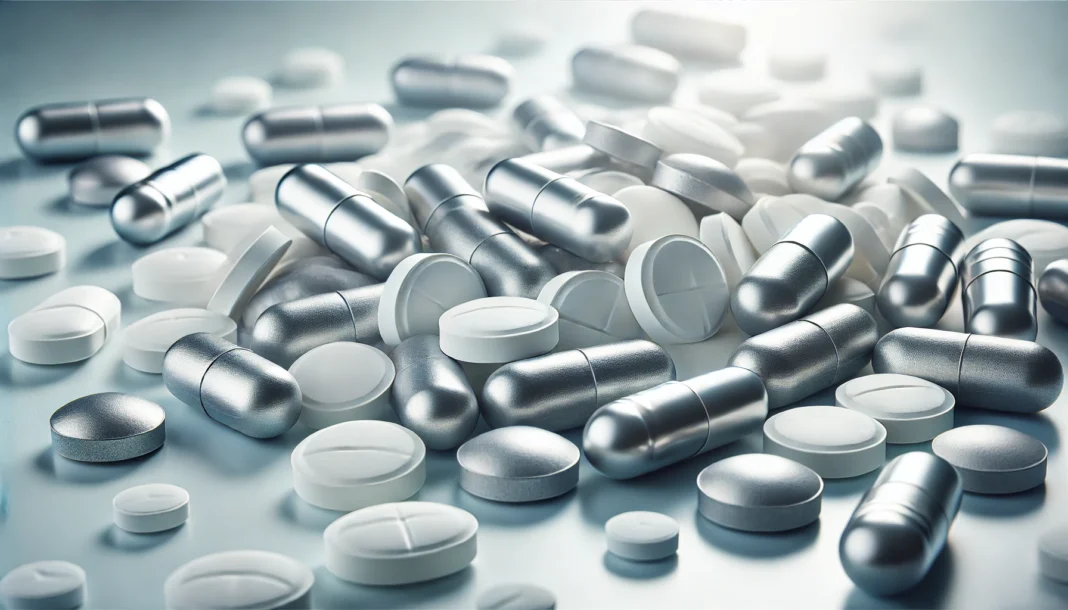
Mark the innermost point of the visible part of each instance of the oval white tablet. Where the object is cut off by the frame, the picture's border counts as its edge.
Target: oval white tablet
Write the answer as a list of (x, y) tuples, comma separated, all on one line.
[(912, 410), (993, 459), (248, 271), (69, 326), (186, 275), (343, 382), (311, 67), (893, 76), (756, 140), (235, 95), (516, 597), (1029, 132), (676, 130), (735, 91), (239, 579), (147, 340), (836, 443), (763, 175), (27, 251), (498, 330), (1053, 554), (654, 214), (925, 129), (757, 492), (264, 182), (227, 226), (925, 195), (593, 309), (1044, 240), (146, 509), (642, 535), (728, 242), (43, 584), (419, 290)]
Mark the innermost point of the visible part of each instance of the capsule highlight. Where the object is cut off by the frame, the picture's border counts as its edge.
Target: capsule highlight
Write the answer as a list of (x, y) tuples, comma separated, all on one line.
[(998, 291), (316, 134), (836, 160), (545, 123), (1011, 185), (473, 81), (922, 273), (70, 131), (431, 394)]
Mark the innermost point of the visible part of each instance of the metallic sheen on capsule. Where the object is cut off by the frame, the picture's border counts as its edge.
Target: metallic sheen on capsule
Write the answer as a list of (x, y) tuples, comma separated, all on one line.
[(473, 81), (1011, 185), (431, 394), (998, 291), (626, 71), (1053, 290), (77, 130), (545, 123), (316, 134), (922, 274), (836, 160), (568, 159)]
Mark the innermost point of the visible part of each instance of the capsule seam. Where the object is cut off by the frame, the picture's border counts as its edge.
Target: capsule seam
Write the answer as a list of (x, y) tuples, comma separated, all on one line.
[(352, 316), (534, 202), (593, 374), (960, 363), (837, 359), (823, 265), (200, 386), (326, 222), (1027, 279), (708, 418)]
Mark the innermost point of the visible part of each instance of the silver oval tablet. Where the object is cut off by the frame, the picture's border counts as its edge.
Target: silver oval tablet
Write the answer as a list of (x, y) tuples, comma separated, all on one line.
[(518, 464), (993, 459), (757, 492), (107, 427)]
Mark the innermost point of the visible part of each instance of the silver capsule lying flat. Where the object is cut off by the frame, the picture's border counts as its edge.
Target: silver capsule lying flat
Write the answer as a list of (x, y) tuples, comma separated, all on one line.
[(998, 291), (626, 71), (473, 81), (545, 123), (569, 159), (1011, 185), (1053, 290), (316, 134), (431, 394), (836, 160), (705, 185), (922, 274), (78, 130), (301, 279)]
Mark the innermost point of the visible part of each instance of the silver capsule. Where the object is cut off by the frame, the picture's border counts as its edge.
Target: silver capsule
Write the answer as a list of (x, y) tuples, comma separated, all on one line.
[(454, 218), (345, 221), (980, 371), (674, 421), (563, 261), (836, 160), (77, 130), (545, 123), (169, 199), (431, 394), (1053, 290), (900, 526), (558, 209), (626, 71), (473, 81), (811, 354), (301, 279), (1011, 185), (922, 273), (789, 279), (316, 134), (568, 159), (997, 284), (233, 385), (560, 391)]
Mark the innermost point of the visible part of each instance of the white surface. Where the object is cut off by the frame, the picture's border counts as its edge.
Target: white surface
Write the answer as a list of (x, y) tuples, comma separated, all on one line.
[(642, 535), (248, 271), (844, 100), (728, 242), (912, 410), (522, 40), (263, 182), (757, 492), (896, 76), (257, 580), (763, 175), (239, 95), (797, 63), (341, 382), (736, 91), (836, 443), (147, 340), (793, 121), (498, 330), (993, 459), (516, 597), (419, 290), (925, 129), (593, 309), (1053, 554), (43, 584), (676, 130), (185, 276), (1029, 132), (147, 509), (1045, 241), (227, 226), (30, 252), (654, 214), (68, 326), (311, 67)]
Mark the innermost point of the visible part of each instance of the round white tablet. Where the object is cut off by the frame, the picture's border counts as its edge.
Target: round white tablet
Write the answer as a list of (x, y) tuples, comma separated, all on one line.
[(311, 67), (239, 579), (893, 76), (757, 492), (676, 289), (1026, 132), (642, 535), (518, 464), (235, 95), (264, 182), (654, 214), (675, 130), (729, 244), (912, 410), (763, 175), (498, 330), (756, 140), (1044, 240), (343, 382), (793, 63), (247, 272), (227, 226), (993, 459), (43, 584), (96, 181), (1053, 554), (925, 129), (593, 309), (147, 340), (185, 275), (735, 91), (69, 326), (146, 509), (837, 443), (30, 252), (925, 194), (516, 597), (419, 290), (358, 463)]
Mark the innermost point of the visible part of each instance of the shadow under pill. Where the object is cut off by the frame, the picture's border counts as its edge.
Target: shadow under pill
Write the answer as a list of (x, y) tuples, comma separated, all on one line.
[(70, 471), (510, 514), (931, 592), (109, 255), (1005, 505), (121, 540), (228, 451), (239, 172), (405, 114), (1037, 425), (853, 486), (300, 513), (1054, 588), (16, 373), (758, 545), (329, 591), (639, 570)]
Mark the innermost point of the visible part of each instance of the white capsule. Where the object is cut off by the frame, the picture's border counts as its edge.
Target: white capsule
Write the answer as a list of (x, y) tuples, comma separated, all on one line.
[(687, 34)]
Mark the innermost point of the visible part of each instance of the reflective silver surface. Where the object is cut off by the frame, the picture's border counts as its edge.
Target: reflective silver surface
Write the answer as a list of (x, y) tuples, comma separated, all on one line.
[(1011, 185), (993, 459), (431, 394), (77, 130), (545, 123), (997, 282), (1053, 290), (836, 160), (569, 159), (922, 274), (301, 279), (316, 134), (705, 185), (107, 427), (759, 492), (628, 150), (96, 181), (626, 71), (474, 81), (518, 464)]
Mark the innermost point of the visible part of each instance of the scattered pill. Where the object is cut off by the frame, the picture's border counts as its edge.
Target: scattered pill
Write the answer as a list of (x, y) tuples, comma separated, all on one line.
[(247, 272), (676, 131), (341, 382), (925, 195), (516, 597), (568, 159), (147, 509), (474, 81), (793, 121), (1053, 290), (69, 326), (836, 443), (836, 160), (419, 290), (1053, 554), (186, 276), (688, 34), (655, 214), (382, 189), (30, 252), (735, 91), (96, 181), (311, 67), (758, 492), (498, 330), (1011, 185), (148, 339), (236, 95), (522, 40), (518, 464), (431, 394), (107, 427), (993, 459), (922, 275), (912, 410), (763, 176), (43, 584), (607, 181), (626, 71), (729, 244), (1044, 240), (78, 130), (925, 129), (225, 227), (302, 279), (642, 536), (797, 63), (316, 134), (239, 579), (1029, 132), (593, 309), (896, 77), (622, 146), (997, 282), (545, 123), (706, 185)]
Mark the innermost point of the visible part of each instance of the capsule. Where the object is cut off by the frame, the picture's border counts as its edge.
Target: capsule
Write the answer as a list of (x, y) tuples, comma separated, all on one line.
[(345, 221), (545, 123), (558, 209), (431, 394), (1053, 290), (78, 130), (568, 159), (316, 134), (472, 81), (811, 354), (626, 71), (998, 291), (980, 371), (560, 391), (674, 421), (169, 199), (922, 273), (688, 34), (836, 160), (455, 219), (233, 385), (287, 331), (900, 526), (1011, 185), (792, 276)]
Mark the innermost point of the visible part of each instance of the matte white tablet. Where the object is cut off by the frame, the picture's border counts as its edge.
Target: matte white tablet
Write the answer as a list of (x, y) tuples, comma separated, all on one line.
[(341, 382), (642, 536), (239, 579), (69, 326), (146, 509), (147, 340), (516, 597), (676, 130), (792, 121), (912, 410), (654, 214), (993, 459), (728, 242), (735, 91), (1030, 132), (925, 129), (186, 276), (227, 226), (836, 443), (763, 175), (593, 309), (498, 330), (30, 252), (237, 95), (1053, 554), (757, 492), (796, 63), (419, 290), (311, 67), (247, 272), (43, 584), (518, 464)]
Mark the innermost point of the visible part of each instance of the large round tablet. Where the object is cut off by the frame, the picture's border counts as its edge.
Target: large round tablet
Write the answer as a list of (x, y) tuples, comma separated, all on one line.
[(188, 276), (993, 459), (593, 309), (516, 597), (757, 492), (239, 579), (358, 463), (107, 427), (912, 410), (642, 535), (69, 326), (621, 145), (254, 263), (676, 289), (837, 443), (43, 585), (400, 543), (654, 214), (341, 382), (148, 339), (30, 252), (728, 243), (896, 76), (419, 290), (96, 181), (498, 329), (763, 176), (1053, 554), (146, 509), (518, 464), (226, 226)]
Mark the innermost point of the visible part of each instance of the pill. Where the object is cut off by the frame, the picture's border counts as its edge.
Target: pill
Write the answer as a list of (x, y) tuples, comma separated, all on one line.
[(735, 91), (795, 63), (43, 584), (253, 262), (997, 282), (1053, 554), (626, 71), (236, 95), (169, 199), (475, 81), (107, 427), (593, 309), (341, 382), (311, 67), (835, 443), (78, 130), (763, 176), (900, 526), (980, 371), (1044, 240), (187, 275), (454, 218), (1029, 132), (225, 227), (925, 129), (1053, 290), (27, 251), (793, 121), (622, 146), (568, 159), (688, 34), (96, 181), (419, 290), (728, 243), (69, 326), (678, 131), (401, 543), (655, 214), (518, 464), (498, 330), (922, 274), (816, 352), (545, 123), (925, 195), (563, 261), (676, 289), (706, 185), (382, 189), (993, 459), (1011, 185), (431, 395), (239, 579), (607, 181), (516, 597), (147, 509), (898, 207), (522, 39), (146, 341), (316, 134), (642, 536), (232, 385), (758, 492), (912, 410), (846, 290), (836, 160), (263, 182), (896, 77), (302, 279)]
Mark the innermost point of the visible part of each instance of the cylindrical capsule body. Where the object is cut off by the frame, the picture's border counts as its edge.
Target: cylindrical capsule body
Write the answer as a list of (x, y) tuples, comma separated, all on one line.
[(998, 291), (900, 526), (455, 219), (809, 355), (568, 159), (558, 209), (169, 199), (545, 123), (836, 160), (1011, 185), (922, 273), (980, 371), (77, 130), (345, 221), (316, 134), (673, 422), (431, 394), (561, 391), (473, 81), (626, 71), (233, 385), (1053, 290), (793, 275)]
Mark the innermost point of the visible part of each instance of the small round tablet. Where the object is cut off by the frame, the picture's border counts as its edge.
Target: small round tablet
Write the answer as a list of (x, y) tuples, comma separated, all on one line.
[(912, 410), (621, 145), (893, 76), (593, 309), (343, 382), (792, 63), (226, 226), (358, 463), (993, 459), (1053, 554), (69, 326), (836, 443), (147, 509), (419, 290), (239, 579), (235, 95), (729, 244), (642, 536), (498, 330), (654, 214), (27, 251), (248, 271), (676, 289), (735, 91), (43, 584), (678, 131), (758, 492), (1027, 132), (107, 427), (186, 275), (148, 339), (96, 181), (518, 464), (516, 597), (311, 67), (925, 129)]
